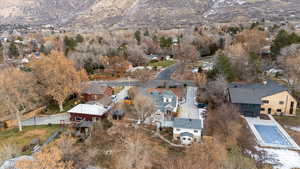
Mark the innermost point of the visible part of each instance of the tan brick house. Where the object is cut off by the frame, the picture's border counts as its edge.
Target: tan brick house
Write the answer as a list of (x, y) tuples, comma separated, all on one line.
[(268, 97)]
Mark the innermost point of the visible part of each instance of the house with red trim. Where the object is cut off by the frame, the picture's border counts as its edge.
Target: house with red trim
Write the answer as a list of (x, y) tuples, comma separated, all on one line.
[(87, 112)]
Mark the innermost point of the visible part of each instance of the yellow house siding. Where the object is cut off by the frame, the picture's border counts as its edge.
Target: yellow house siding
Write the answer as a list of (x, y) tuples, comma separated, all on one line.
[(274, 104)]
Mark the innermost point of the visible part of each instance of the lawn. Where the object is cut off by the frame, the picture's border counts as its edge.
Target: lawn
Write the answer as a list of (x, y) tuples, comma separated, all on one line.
[(54, 109), (24, 138), (163, 63), (289, 120)]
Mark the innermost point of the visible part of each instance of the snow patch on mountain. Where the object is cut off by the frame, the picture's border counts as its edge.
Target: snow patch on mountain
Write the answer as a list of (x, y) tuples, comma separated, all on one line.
[(216, 4)]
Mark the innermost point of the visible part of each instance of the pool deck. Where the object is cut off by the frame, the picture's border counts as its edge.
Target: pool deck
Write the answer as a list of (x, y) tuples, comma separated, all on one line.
[(272, 122)]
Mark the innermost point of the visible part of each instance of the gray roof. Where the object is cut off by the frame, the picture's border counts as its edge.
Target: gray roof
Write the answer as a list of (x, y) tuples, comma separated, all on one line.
[(186, 123), (158, 98), (186, 134), (252, 93), (119, 112)]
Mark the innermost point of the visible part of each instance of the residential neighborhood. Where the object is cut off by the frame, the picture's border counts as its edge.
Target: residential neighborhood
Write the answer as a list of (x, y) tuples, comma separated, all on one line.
[(205, 97)]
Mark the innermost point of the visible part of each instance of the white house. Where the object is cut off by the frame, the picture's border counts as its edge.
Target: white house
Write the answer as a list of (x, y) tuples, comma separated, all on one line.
[(187, 130)]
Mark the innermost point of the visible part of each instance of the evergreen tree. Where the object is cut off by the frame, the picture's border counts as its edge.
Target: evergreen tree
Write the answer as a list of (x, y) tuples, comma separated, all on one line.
[(224, 67), (282, 40), (13, 50), (79, 38), (137, 36)]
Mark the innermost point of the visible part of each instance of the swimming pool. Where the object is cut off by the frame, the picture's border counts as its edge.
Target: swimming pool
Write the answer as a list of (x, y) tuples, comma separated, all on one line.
[(272, 135)]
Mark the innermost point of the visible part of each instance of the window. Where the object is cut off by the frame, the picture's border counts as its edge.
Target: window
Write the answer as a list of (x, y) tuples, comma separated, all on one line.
[(281, 102), (183, 138), (278, 110), (262, 109), (265, 101), (78, 118), (195, 131), (189, 139)]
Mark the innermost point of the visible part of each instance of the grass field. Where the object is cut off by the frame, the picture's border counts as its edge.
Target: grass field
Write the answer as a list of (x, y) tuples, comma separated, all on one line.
[(289, 120), (24, 138), (54, 109), (163, 63)]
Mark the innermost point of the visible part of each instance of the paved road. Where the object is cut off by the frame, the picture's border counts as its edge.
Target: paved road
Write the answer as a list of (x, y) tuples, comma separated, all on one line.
[(163, 78), (188, 109), (166, 74), (44, 120)]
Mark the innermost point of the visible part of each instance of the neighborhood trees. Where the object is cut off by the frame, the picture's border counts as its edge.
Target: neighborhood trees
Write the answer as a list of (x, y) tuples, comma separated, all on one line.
[(58, 77), (143, 105), (290, 61), (17, 92)]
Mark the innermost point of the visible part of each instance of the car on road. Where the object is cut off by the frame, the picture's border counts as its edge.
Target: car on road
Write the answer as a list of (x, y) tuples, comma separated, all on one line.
[(114, 98)]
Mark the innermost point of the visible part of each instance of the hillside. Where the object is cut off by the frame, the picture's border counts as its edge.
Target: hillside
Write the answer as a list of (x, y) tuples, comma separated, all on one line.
[(132, 13)]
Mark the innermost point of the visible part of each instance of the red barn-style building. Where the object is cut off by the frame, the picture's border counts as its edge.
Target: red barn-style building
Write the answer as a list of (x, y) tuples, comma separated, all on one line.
[(96, 92), (87, 112)]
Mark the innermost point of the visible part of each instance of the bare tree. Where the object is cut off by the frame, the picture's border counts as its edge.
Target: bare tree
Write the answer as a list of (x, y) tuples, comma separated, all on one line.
[(290, 60), (18, 92), (132, 153), (8, 151), (48, 158), (58, 76), (143, 105), (253, 39)]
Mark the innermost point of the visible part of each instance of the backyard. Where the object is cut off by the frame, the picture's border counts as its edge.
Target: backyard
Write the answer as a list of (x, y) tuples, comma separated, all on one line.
[(289, 120), (24, 138)]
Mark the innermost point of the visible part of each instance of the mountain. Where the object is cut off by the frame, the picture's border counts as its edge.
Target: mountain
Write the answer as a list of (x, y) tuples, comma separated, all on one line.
[(141, 13)]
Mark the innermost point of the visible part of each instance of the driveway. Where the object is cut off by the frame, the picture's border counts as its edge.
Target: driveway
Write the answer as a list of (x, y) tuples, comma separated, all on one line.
[(45, 120), (122, 94), (189, 109)]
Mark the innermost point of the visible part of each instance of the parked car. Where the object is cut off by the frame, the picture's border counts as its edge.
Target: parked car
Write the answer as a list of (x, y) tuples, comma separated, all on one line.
[(202, 105)]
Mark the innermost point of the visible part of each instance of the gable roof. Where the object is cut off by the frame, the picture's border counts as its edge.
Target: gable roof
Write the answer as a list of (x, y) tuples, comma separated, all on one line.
[(253, 93), (88, 109), (159, 100), (186, 123)]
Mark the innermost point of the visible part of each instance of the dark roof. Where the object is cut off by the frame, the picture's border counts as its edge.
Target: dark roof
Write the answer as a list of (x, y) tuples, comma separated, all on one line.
[(95, 89), (118, 112), (85, 124), (187, 123), (159, 100), (252, 93)]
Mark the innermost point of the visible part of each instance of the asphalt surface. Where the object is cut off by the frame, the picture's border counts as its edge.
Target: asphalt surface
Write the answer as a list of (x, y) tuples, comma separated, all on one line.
[(189, 109), (45, 120), (162, 79)]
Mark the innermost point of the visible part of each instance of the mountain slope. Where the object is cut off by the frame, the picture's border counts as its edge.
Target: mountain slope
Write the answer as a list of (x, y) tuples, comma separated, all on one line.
[(141, 13)]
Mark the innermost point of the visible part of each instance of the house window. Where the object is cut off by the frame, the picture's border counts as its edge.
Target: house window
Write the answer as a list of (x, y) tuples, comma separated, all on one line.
[(262, 109), (278, 110), (177, 129), (265, 101), (183, 138), (292, 108), (189, 139), (195, 131), (281, 102), (78, 118)]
